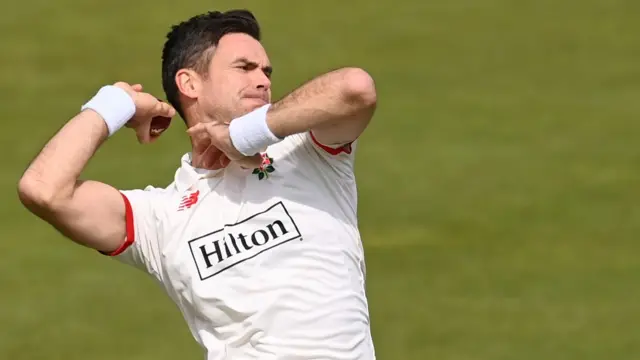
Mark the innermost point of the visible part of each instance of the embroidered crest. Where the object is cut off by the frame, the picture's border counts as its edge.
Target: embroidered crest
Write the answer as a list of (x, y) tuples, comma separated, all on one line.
[(265, 168)]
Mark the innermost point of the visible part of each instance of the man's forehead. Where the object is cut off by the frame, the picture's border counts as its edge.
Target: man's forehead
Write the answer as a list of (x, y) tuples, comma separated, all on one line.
[(237, 46)]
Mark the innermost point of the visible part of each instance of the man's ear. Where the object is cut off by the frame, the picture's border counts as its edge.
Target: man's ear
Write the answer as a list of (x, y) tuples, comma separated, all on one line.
[(189, 83)]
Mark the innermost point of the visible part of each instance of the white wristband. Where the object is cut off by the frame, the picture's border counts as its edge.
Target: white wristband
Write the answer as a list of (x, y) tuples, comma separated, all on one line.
[(114, 105), (250, 133)]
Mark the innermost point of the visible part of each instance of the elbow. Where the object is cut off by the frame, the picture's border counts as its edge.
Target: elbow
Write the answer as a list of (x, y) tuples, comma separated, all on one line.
[(359, 88), (34, 196)]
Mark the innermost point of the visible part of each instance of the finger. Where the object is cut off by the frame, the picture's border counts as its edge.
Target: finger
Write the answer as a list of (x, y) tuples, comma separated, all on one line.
[(224, 161), (143, 132), (213, 160), (137, 87), (206, 162), (142, 135), (196, 129), (201, 145), (210, 156), (168, 110), (200, 131), (162, 109)]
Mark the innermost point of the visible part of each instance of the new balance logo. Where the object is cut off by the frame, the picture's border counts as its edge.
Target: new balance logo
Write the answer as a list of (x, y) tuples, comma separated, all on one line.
[(189, 200), (225, 248)]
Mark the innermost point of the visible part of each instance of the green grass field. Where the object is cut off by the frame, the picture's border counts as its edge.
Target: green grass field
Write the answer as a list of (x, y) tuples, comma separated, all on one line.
[(499, 181)]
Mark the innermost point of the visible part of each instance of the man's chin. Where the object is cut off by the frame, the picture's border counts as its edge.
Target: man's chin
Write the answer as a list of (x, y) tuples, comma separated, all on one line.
[(248, 105), (254, 103)]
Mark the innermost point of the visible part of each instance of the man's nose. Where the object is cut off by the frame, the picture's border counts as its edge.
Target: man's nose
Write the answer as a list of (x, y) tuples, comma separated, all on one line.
[(262, 81)]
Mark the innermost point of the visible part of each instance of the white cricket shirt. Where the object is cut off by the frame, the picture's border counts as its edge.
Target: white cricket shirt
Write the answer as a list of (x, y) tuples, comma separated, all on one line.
[(265, 263)]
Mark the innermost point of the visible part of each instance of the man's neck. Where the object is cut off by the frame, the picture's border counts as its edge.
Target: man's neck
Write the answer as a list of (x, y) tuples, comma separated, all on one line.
[(206, 158)]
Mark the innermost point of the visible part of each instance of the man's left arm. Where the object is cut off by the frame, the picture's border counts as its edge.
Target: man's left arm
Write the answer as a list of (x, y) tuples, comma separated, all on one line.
[(336, 107)]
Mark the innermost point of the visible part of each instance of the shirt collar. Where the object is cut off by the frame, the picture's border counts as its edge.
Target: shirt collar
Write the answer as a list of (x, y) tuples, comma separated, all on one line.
[(188, 176)]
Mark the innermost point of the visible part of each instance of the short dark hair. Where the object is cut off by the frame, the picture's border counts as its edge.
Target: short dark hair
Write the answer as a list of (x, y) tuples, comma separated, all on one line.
[(190, 45)]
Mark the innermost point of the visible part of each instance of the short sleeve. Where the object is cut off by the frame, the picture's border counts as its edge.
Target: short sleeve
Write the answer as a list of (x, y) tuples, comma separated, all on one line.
[(336, 151), (339, 158), (141, 247)]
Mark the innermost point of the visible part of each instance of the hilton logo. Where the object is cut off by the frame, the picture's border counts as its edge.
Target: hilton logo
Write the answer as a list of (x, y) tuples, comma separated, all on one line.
[(224, 248)]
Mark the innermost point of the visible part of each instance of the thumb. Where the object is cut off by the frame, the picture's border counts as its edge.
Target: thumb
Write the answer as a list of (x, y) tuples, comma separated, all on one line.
[(197, 130), (203, 131), (163, 109), (142, 133)]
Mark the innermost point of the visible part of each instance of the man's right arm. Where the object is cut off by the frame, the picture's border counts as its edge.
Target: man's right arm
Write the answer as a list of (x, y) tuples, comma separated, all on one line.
[(87, 212)]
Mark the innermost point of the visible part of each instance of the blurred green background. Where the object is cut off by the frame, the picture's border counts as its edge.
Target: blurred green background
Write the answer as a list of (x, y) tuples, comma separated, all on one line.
[(499, 181)]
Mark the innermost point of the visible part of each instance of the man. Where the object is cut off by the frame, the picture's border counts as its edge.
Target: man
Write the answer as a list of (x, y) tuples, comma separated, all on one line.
[(256, 239)]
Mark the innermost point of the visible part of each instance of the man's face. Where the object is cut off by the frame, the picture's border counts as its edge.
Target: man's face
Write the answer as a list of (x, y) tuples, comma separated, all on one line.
[(238, 78)]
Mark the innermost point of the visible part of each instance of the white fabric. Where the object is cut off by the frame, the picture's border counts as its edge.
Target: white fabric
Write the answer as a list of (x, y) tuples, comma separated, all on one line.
[(261, 269), (114, 105), (250, 132)]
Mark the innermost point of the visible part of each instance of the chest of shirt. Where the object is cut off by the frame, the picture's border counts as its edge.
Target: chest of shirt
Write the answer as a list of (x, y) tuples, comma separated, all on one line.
[(223, 236), (246, 222)]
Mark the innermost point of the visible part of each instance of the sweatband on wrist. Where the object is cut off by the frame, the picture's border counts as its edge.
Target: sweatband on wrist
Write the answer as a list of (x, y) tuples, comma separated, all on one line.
[(114, 105), (250, 133)]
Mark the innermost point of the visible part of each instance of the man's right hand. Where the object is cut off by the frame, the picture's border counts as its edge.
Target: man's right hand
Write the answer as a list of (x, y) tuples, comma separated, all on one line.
[(148, 109)]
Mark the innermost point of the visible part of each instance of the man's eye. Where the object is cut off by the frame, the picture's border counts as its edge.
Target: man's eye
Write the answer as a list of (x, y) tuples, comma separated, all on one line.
[(246, 67)]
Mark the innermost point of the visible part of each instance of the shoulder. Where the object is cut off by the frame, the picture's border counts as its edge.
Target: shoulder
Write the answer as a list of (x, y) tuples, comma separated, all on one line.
[(150, 199), (149, 192), (332, 161), (306, 151)]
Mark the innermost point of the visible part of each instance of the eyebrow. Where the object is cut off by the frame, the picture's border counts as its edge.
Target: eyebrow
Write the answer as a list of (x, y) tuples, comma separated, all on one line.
[(266, 69)]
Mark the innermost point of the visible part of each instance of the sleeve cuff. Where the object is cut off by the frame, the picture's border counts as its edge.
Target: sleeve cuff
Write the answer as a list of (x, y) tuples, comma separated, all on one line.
[(130, 237), (346, 148)]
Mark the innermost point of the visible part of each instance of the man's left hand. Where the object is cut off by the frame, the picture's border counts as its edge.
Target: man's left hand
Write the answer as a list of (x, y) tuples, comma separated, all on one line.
[(218, 134)]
